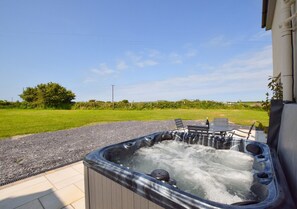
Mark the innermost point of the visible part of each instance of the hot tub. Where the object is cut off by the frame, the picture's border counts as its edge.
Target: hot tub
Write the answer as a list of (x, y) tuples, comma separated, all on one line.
[(113, 181)]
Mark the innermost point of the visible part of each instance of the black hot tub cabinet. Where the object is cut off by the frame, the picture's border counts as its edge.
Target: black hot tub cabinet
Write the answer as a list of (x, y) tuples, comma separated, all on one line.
[(111, 185)]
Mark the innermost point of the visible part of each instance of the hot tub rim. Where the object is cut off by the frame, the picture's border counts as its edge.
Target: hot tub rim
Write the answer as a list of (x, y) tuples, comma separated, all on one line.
[(93, 163)]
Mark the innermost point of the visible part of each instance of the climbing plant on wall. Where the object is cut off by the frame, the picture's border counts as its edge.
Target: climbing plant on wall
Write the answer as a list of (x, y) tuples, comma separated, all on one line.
[(275, 85)]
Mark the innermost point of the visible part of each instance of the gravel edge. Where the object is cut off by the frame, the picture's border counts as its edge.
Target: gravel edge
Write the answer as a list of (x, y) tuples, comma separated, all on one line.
[(29, 155)]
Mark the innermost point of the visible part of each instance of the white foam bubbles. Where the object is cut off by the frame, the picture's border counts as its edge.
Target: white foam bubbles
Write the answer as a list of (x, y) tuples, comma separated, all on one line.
[(223, 176)]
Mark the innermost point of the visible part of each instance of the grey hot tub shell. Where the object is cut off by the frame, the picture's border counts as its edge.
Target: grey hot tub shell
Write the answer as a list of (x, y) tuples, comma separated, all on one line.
[(110, 185)]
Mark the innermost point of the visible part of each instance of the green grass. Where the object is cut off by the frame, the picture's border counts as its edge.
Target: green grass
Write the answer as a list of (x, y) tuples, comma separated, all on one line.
[(18, 122)]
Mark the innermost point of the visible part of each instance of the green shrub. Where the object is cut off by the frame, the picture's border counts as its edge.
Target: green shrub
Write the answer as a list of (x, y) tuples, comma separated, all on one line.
[(50, 95)]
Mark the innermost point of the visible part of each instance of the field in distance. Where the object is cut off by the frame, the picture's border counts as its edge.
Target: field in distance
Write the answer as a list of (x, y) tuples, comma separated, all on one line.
[(19, 122)]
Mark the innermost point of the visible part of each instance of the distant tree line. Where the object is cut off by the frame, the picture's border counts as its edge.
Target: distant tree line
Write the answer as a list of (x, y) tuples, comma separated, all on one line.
[(182, 104), (55, 96), (126, 105)]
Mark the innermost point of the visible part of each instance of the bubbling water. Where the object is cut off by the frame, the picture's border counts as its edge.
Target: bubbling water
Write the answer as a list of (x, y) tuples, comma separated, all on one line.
[(223, 176)]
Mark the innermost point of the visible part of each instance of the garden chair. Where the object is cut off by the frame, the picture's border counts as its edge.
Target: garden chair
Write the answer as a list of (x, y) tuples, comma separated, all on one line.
[(200, 133), (220, 122), (179, 123), (198, 129)]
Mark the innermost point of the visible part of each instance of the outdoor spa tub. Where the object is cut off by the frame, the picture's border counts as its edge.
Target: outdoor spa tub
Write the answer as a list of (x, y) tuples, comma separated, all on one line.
[(175, 169)]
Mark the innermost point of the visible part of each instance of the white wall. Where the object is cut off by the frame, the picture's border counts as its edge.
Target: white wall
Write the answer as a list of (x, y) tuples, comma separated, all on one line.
[(282, 48), (276, 34)]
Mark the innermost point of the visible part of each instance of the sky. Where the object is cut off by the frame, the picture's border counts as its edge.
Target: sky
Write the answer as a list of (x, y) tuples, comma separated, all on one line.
[(149, 50)]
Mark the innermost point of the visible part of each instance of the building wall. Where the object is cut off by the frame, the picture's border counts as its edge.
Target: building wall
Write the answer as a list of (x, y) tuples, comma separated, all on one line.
[(276, 44), (282, 39)]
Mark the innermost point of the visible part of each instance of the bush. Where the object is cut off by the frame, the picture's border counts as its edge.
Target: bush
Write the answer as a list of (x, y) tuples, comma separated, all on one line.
[(9, 105), (50, 95)]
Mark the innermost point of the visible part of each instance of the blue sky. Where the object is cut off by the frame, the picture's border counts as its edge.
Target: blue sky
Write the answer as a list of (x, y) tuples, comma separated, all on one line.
[(150, 50)]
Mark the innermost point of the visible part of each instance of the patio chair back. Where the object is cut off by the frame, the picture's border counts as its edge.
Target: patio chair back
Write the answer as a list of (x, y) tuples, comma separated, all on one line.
[(199, 134), (179, 123), (203, 130), (220, 122)]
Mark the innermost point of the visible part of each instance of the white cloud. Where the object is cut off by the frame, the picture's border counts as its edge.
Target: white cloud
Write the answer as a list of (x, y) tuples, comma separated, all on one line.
[(145, 63), (134, 57), (191, 53), (246, 74), (175, 58), (205, 66), (257, 61), (219, 41), (140, 59), (153, 53), (260, 35), (153, 57), (102, 70), (89, 80), (121, 65), (129, 60)]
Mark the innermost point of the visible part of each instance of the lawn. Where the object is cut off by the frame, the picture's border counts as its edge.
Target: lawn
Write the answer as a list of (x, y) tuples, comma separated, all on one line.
[(18, 122)]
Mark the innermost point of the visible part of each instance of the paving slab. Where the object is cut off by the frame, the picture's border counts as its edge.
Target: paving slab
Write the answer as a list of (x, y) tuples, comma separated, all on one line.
[(55, 189), (61, 175), (68, 181), (17, 187), (78, 167), (35, 204), (61, 197), (80, 204), (26, 195), (81, 185), (68, 207)]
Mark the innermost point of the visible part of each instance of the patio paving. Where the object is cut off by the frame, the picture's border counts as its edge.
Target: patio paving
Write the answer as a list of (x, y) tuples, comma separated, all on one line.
[(61, 188), (56, 189)]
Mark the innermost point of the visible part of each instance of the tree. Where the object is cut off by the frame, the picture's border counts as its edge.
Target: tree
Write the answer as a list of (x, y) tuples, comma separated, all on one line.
[(50, 95)]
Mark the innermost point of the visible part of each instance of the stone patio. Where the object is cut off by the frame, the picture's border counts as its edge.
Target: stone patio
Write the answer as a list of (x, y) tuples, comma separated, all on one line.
[(56, 189)]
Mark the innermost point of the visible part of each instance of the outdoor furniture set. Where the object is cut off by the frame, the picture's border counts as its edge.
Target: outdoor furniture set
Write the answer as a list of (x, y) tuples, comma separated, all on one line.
[(218, 130)]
